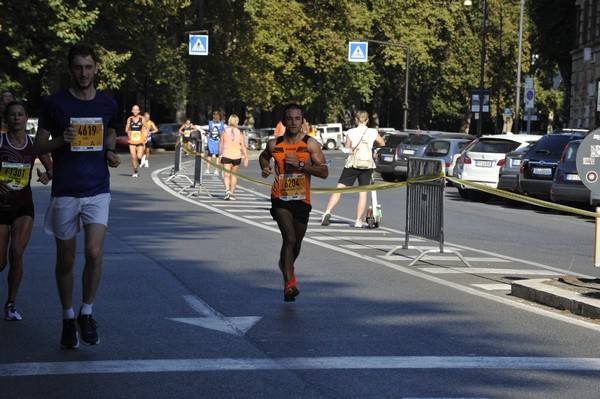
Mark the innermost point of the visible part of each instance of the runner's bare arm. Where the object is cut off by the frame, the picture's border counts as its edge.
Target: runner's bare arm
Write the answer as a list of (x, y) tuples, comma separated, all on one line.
[(43, 144)]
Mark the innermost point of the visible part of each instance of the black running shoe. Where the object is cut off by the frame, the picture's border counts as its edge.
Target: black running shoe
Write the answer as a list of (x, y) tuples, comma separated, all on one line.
[(291, 294), (69, 339), (87, 329)]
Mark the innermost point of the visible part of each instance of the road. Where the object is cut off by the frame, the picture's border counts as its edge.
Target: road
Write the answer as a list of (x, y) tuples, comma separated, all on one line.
[(191, 302)]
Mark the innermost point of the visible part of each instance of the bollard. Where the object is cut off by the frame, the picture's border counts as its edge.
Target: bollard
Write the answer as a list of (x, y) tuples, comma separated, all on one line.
[(177, 161), (597, 236)]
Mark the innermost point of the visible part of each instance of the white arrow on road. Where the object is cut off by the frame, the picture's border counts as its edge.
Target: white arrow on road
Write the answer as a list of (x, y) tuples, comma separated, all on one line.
[(213, 320)]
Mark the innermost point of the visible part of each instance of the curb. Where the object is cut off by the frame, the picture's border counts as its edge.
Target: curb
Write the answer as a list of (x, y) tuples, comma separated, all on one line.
[(578, 296)]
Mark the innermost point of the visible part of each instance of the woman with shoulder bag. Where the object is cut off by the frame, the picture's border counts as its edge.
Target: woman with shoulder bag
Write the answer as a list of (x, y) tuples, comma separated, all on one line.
[(358, 140)]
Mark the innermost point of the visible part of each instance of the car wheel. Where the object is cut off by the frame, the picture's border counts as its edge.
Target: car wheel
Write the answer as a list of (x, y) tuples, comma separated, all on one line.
[(253, 144), (463, 193), (388, 176), (330, 145), (479, 196)]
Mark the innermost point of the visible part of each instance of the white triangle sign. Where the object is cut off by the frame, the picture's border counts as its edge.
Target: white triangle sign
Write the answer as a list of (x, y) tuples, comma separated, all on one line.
[(358, 54), (198, 46)]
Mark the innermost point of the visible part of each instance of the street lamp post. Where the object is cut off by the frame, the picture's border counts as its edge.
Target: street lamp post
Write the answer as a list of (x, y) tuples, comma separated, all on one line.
[(482, 64), (518, 86)]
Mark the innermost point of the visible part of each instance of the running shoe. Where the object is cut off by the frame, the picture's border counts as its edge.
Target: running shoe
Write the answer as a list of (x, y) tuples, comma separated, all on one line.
[(69, 338), (290, 291), (227, 196), (87, 329), (10, 312), (232, 197), (358, 224), (146, 164), (134, 174), (325, 220), (207, 172), (216, 172)]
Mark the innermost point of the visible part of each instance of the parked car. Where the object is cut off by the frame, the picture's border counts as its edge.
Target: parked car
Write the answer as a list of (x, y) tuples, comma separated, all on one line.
[(122, 141), (566, 185), (445, 149), (31, 127), (480, 162), (386, 156), (539, 163), (252, 136), (508, 175), (414, 145), (330, 135)]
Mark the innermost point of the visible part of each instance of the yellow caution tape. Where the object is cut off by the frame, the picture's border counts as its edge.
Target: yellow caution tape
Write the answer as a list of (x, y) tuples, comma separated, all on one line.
[(522, 198), (420, 179)]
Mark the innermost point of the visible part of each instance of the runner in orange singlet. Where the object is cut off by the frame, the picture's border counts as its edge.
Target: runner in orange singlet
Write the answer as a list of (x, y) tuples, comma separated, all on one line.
[(296, 157)]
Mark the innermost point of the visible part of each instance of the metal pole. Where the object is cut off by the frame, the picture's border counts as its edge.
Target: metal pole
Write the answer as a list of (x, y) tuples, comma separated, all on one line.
[(482, 68), (405, 105), (518, 86)]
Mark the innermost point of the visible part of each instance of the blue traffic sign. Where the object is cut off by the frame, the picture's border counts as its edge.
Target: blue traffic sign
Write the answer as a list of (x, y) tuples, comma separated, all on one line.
[(358, 51), (198, 45)]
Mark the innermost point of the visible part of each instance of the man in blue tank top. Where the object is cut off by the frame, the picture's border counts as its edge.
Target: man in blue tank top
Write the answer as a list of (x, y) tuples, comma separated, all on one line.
[(78, 127)]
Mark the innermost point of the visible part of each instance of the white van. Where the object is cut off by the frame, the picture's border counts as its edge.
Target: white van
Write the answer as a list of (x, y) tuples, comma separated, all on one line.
[(330, 135)]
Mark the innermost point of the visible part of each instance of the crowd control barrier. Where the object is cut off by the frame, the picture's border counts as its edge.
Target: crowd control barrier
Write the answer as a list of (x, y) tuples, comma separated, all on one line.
[(194, 186), (425, 206)]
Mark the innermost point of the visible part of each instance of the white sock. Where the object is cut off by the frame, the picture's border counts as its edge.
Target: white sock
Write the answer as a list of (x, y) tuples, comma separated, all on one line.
[(86, 308), (68, 313)]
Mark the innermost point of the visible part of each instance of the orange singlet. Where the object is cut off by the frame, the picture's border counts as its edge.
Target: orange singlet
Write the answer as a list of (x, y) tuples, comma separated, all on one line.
[(290, 184)]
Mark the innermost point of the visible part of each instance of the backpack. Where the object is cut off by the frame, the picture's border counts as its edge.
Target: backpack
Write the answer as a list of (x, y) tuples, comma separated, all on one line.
[(361, 156)]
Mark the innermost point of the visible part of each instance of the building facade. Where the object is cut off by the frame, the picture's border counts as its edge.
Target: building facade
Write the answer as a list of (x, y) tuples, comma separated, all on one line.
[(585, 78)]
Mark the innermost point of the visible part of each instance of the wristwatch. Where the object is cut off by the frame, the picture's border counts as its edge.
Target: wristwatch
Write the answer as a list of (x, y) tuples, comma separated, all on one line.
[(301, 165)]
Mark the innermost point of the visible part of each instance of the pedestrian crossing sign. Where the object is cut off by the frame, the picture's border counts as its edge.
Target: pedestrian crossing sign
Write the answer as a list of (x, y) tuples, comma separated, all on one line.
[(198, 45), (358, 51)]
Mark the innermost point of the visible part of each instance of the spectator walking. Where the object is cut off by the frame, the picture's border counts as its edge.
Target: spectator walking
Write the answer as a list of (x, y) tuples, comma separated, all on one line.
[(78, 127), (296, 157), (136, 130), (350, 174), (232, 148), (150, 129), (215, 128), (16, 200)]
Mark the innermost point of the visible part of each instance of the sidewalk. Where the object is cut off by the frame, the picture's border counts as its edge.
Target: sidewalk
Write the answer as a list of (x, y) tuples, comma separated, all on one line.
[(577, 295)]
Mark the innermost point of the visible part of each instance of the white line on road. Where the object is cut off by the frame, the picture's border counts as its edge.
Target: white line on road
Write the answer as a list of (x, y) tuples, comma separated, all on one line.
[(300, 363), (407, 270)]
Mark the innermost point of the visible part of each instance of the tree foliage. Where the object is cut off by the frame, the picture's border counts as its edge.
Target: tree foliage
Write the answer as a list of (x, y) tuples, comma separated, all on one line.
[(263, 53)]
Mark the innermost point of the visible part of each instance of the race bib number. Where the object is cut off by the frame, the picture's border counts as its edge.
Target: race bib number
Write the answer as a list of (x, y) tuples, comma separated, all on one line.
[(136, 136), (292, 186), (90, 134), (15, 175)]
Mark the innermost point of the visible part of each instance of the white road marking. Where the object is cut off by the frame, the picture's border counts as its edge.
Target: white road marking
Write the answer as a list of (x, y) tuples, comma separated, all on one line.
[(483, 270), (407, 270), (444, 258), (300, 363), (362, 238), (213, 320), (493, 287)]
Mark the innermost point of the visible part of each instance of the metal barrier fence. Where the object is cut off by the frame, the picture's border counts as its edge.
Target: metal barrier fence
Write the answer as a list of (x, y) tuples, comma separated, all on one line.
[(196, 185), (425, 206)]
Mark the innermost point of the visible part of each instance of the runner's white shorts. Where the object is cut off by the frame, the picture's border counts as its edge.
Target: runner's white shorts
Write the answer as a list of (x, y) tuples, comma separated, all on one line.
[(65, 214)]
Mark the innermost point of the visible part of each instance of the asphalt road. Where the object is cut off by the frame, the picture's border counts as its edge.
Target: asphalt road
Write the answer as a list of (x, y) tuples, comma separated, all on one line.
[(191, 302)]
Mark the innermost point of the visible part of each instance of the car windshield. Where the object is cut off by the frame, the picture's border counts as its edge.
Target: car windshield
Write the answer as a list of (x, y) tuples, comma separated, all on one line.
[(571, 152), (495, 146), (393, 140), (552, 144), (437, 149), (418, 139)]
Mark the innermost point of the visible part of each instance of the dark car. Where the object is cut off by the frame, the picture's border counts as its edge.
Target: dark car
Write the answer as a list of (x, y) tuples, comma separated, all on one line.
[(386, 156), (166, 136), (510, 168), (414, 145), (539, 163), (566, 185)]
